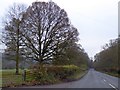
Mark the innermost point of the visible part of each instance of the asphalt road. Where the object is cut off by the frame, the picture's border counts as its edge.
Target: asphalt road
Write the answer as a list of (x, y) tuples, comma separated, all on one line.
[(92, 79)]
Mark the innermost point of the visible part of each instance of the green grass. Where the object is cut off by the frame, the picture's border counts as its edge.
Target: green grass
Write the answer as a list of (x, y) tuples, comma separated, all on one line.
[(113, 74), (0, 82), (9, 78), (0, 78)]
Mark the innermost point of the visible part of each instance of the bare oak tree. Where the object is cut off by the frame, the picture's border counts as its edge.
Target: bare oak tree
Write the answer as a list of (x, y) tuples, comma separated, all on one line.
[(46, 28)]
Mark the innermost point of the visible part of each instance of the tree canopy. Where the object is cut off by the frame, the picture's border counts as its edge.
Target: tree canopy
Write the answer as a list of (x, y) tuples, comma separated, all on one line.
[(46, 27), (108, 58)]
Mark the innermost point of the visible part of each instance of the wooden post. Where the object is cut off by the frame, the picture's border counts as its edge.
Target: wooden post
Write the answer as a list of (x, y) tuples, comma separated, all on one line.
[(24, 75)]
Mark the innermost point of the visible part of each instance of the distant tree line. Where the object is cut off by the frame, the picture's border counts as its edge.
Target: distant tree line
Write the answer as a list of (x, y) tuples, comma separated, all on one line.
[(8, 61), (42, 33), (107, 60)]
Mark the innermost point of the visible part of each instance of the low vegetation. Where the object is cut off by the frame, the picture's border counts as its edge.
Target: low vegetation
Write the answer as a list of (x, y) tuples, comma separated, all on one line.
[(42, 75), (58, 72)]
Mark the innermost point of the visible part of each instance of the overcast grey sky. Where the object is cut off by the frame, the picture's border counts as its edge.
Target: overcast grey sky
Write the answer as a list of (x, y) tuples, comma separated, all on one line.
[(96, 20)]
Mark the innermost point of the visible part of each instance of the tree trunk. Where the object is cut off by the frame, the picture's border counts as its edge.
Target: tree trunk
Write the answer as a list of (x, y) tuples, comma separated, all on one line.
[(17, 61), (17, 53)]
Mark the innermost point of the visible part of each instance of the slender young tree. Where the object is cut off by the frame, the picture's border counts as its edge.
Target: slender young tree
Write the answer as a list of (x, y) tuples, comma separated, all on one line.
[(11, 32)]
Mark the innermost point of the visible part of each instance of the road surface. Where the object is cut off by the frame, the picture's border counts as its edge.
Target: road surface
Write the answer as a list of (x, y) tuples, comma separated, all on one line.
[(92, 79)]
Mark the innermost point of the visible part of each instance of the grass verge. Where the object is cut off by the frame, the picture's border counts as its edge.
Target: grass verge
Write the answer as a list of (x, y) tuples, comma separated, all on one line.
[(113, 74), (9, 79), (77, 76)]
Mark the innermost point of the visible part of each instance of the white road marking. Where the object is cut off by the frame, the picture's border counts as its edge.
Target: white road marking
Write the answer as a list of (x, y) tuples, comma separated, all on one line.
[(104, 80), (113, 86), (110, 84)]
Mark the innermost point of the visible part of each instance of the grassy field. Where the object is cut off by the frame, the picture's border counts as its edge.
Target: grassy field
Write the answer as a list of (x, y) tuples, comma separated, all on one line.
[(0, 78), (10, 79)]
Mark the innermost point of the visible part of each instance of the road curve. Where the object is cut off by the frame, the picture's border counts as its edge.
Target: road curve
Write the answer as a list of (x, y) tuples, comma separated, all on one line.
[(92, 79)]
